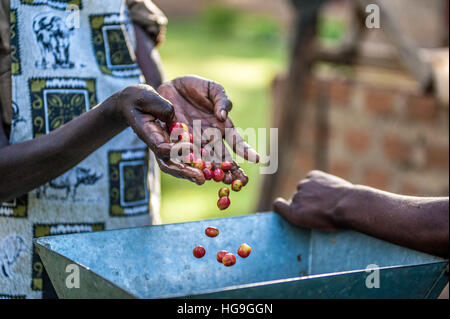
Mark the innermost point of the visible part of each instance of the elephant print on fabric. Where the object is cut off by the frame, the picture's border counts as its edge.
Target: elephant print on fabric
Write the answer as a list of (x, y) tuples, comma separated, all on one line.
[(65, 187), (53, 37)]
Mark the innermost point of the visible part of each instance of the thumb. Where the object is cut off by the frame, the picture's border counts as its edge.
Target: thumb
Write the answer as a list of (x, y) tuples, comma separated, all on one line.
[(282, 207), (149, 101)]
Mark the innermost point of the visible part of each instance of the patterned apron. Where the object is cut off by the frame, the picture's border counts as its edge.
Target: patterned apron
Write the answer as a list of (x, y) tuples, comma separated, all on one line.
[(60, 69)]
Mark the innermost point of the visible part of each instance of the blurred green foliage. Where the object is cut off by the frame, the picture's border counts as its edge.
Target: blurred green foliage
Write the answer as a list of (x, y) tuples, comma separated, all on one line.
[(227, 21), (243, 52), (331, 31), (220, 18)]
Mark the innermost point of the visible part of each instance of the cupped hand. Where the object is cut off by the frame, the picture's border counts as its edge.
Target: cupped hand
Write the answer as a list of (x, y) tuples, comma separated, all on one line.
[(316, 202), (196, 98), (145, 111)]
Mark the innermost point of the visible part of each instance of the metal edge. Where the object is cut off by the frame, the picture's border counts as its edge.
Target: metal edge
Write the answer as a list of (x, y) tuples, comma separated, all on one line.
[(280, 281), (85, 268), (438, 285), (161, 225)]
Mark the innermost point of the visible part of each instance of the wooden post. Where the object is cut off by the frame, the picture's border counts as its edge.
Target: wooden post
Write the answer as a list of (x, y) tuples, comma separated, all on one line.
[(302, 56)]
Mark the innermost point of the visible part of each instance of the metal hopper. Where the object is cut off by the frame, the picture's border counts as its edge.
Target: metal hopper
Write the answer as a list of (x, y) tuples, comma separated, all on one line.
[(286, 262)]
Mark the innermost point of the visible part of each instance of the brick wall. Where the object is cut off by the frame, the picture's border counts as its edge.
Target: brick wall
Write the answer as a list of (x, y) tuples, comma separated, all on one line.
[(391, 139)]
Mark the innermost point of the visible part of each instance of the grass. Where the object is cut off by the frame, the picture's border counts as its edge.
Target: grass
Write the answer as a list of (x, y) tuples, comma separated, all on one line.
[(242, 52)]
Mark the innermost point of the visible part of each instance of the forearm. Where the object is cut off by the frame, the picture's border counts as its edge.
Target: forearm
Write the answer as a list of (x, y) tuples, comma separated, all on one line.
[(25, 166), (148, 58), (416, 222)]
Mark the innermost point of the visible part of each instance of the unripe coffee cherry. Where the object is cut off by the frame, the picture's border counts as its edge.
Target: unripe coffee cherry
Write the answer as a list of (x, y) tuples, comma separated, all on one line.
[(224, 192), (244, 250), (199, 164), (236, 185)]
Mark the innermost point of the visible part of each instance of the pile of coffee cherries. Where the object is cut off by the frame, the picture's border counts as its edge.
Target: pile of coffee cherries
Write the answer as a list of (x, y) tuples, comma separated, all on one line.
[(223, 256), (219, 172)]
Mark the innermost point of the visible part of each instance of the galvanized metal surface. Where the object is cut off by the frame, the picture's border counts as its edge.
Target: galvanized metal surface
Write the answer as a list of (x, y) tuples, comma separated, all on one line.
[(157, 262), (395, 282)]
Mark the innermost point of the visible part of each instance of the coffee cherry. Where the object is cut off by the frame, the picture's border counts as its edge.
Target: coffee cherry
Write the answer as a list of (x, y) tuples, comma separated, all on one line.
[(244, 250), (199, 252), (224, 192), (184, 137), (185, 127), (208, 165), (179, 128), (229, 259), (208, 174), (204, 154), (199, 164), (236, 185), (220, 255), (218, 175), (226, 166), (190, 158), (175, 125), (211, 232), (228, 179), (223, 203), (191, 138)]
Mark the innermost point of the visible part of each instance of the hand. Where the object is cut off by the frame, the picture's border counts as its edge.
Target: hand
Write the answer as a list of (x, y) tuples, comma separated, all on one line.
[(150, 18), (196, 98), (141, 107), (316, 203)]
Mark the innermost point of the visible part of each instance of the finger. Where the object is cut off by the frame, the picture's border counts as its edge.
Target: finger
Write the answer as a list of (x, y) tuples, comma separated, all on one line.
[(181, 170), (315, 173), (149, 101), (222, 105), (239, 145), (153, 135), (194, 90), (302, 183), (221, 153), (282, 207)]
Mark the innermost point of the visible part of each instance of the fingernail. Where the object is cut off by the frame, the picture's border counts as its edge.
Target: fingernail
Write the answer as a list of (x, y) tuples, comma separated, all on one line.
[(223, 115), (252, 156)]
